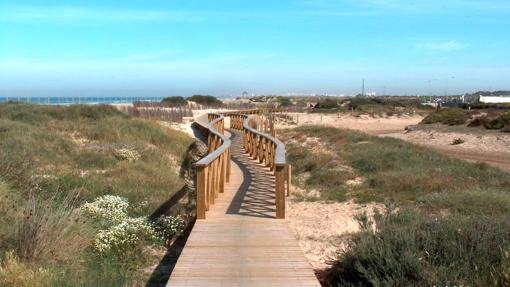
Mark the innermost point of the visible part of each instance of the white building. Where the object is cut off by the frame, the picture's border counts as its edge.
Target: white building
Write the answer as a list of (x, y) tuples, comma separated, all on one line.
[(494, 99)]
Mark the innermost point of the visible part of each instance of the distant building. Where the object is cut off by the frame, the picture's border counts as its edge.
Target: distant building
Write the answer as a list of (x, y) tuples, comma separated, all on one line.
[(494, 99), (486, 98)]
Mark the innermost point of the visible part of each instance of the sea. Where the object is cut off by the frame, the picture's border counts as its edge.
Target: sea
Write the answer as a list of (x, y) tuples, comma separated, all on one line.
[(78, 100)]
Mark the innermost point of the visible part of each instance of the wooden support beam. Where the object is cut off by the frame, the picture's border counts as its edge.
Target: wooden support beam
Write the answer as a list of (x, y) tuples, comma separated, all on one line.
[(280, 191), (222, 173), (289, 178), (201, 186)]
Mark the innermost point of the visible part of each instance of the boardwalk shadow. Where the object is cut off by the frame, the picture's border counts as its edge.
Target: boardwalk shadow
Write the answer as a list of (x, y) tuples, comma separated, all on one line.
[(255, 197)]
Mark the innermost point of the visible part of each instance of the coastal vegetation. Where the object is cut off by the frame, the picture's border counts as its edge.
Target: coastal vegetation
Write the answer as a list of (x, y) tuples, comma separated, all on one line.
[(78, 186), (175, 101), (491, 119), (206, 100), (446, 221), (373, 106)]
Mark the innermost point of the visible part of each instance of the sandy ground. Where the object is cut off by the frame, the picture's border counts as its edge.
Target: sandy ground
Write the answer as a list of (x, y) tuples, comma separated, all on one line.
[(381, 125), (492, 148), (322, 229)]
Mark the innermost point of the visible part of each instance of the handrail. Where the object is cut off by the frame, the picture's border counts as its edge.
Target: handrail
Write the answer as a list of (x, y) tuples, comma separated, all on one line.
[(268, 150), (214, 149), (213, 170), (280, 147)]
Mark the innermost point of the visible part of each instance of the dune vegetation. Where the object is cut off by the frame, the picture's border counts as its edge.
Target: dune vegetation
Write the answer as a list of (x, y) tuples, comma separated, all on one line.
[(491, 119), (446, 221), (372, 106), (78, 185)]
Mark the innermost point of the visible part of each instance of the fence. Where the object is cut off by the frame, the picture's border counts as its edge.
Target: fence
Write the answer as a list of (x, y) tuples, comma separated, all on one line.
[(213, 171), (267, 150)]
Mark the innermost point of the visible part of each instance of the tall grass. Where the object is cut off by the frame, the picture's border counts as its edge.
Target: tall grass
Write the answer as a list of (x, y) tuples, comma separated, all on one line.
[(53, 159)]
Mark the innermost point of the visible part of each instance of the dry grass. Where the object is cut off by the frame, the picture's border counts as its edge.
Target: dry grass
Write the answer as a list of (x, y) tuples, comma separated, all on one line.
[(15, 273), (53, 159)]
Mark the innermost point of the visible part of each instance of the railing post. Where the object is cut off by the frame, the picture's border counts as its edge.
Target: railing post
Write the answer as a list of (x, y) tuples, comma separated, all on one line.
[(229, 167), (222, 172), (289, 178), (280, 191), (201, 189)]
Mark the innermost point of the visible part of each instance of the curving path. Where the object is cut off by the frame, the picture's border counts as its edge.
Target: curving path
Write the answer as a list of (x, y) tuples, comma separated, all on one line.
[(241, 243)]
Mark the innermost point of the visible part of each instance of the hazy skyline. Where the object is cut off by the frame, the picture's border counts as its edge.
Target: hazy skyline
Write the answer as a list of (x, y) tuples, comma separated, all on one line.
[(157, 48)]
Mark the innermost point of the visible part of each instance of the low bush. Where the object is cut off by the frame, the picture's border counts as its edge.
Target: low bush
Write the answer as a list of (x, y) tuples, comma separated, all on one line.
[(122, 233), (206, 100), (409, 249), (457, 141), (174, 101), (499, 123), (448, 116), (327, 104)]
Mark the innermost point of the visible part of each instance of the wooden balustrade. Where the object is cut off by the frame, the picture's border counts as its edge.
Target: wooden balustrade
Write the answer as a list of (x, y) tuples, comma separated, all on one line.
[(267, 150), (214, 169)]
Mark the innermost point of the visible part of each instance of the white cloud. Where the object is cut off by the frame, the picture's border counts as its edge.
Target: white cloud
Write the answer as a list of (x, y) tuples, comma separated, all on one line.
[(441, 46)]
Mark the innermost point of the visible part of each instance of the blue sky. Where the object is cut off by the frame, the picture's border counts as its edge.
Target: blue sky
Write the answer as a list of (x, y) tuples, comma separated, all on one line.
[(223, 47)]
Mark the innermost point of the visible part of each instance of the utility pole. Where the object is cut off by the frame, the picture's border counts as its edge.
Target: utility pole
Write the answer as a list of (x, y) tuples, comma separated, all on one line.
[(363, 87)]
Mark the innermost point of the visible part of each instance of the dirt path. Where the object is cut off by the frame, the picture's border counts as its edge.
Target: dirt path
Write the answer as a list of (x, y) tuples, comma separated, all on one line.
[(492, 148)]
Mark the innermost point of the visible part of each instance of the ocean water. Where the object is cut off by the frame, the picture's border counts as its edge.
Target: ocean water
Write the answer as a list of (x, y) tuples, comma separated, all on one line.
[(78, 100)]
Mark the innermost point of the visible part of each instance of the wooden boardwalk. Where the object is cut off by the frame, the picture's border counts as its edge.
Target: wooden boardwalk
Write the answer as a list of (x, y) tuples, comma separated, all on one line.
[(241, 243)]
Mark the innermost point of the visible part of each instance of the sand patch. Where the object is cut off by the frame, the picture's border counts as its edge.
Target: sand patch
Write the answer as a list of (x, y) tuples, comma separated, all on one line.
[(322, 229), (364, 123)]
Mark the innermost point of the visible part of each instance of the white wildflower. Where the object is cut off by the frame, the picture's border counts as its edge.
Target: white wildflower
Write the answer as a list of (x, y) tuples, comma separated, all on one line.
[(110, 209), (127, 154)]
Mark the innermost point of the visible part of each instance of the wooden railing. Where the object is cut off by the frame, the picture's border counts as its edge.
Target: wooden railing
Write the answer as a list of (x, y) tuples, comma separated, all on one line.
[(268, 150), (213, 171)]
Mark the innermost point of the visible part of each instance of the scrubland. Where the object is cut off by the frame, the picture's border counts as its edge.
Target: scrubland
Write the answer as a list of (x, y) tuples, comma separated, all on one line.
[(443, 222), (78, 185)]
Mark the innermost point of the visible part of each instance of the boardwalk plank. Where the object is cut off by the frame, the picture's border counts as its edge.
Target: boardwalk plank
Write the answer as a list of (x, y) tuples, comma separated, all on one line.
[(241, 243)]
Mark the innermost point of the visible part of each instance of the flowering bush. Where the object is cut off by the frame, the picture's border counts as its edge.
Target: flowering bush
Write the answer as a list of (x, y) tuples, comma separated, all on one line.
[(123, 232), (127, 154), (124, 235), (168, 226), (109, 209)]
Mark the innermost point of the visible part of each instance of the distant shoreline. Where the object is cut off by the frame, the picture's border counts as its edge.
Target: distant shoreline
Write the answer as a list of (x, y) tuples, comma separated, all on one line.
[(85, 100)]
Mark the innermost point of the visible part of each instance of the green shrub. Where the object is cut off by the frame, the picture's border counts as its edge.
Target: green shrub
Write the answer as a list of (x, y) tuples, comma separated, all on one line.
[(499, 123), (175, 101), (284, 102), (457, 141), (327, 104), (206, 100), (447, 116), (409, 249)]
